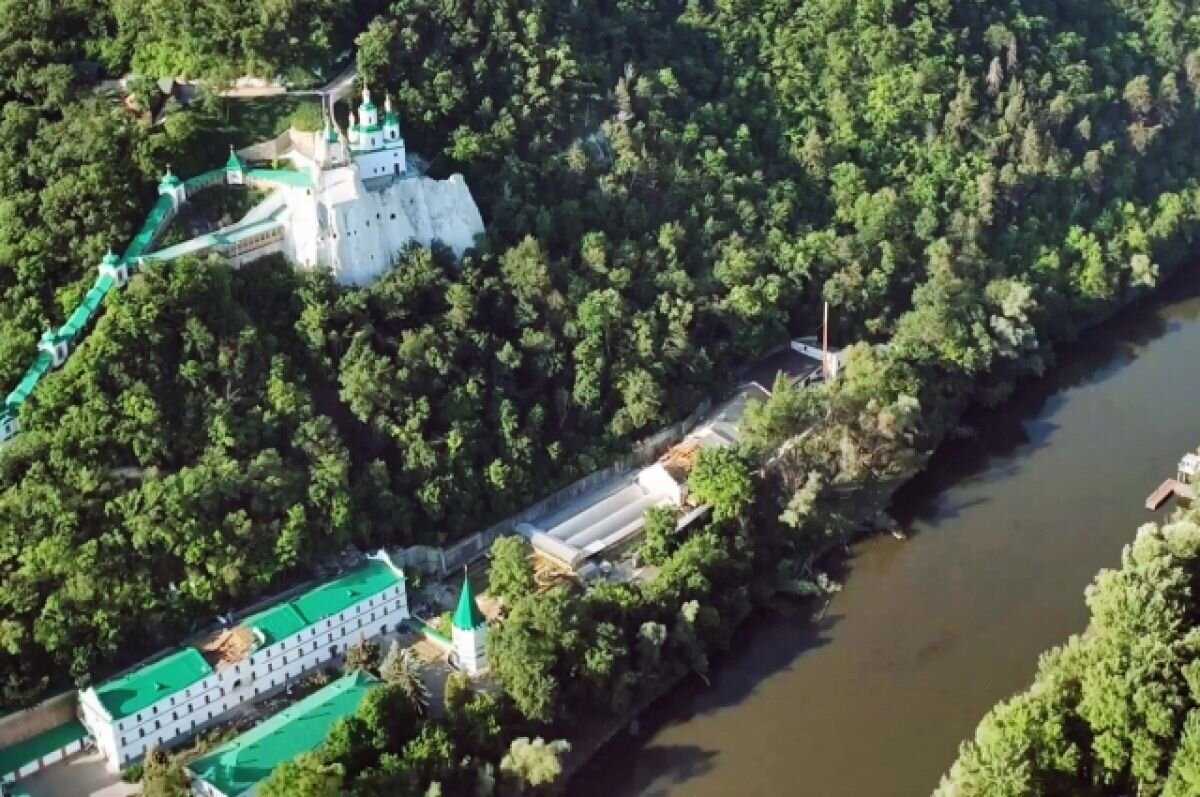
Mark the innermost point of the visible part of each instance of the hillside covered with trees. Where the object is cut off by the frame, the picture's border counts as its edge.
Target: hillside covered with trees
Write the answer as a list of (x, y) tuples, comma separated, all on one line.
[(669, 190)]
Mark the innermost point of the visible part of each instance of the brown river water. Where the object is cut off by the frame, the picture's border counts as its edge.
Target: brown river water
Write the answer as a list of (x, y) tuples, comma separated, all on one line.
[(1007, 527)]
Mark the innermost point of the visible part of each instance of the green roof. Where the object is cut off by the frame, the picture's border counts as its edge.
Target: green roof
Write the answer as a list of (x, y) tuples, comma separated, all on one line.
[(88, 307), (232, 162), (238, 766), (429, 631), (467, 615), (139, 689), (367, 106), (204, 179), (169, 180), (309, 608), (18, 755), (145, 236), (277, 623), (282, 176), (369, 578), (41, 364), (110, 258)]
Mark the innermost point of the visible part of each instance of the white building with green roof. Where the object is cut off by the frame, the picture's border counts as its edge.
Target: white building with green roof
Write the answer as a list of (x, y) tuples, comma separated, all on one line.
[(195, 686), (236, 768)]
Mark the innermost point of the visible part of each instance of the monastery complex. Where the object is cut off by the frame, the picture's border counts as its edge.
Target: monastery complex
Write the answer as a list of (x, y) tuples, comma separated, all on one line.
[(352, 202)]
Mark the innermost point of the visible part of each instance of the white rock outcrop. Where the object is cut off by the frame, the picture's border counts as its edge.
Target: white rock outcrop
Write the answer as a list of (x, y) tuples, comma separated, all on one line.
[(358, 231)]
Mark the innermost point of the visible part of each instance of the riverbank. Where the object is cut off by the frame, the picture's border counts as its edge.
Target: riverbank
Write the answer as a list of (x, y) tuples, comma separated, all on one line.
[(930, 626)]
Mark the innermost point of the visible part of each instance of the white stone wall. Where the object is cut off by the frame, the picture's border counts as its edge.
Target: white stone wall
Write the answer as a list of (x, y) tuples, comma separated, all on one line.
[(382, 162), (266, 671), (470, 648)]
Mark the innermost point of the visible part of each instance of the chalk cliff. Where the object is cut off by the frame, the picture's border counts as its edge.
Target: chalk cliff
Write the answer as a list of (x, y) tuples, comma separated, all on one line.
[(357, 230)]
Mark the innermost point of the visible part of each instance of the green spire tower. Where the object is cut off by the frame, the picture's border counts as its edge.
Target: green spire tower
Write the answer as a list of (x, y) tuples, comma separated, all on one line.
[(234, 173), (469, 631)]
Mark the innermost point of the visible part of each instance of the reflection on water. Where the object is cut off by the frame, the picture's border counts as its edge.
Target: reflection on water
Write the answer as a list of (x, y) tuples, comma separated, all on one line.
[(1009, 525)]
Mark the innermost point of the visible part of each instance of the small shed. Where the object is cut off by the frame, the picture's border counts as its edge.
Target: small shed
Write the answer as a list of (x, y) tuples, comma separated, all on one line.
[(1188, 466)]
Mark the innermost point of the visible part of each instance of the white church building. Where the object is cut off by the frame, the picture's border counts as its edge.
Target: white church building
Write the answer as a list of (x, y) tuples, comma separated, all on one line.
[(197, 685), (367, 204), (352, 203)]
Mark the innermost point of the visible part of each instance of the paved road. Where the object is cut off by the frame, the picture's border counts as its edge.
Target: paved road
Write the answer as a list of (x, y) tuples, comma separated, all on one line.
[(335, 89)]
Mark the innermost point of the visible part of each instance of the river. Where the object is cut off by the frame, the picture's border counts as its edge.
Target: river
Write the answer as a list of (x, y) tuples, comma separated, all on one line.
[(1007, 528)]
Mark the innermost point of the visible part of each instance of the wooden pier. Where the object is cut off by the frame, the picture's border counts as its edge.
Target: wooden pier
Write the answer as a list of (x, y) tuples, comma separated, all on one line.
[(1167, 489)]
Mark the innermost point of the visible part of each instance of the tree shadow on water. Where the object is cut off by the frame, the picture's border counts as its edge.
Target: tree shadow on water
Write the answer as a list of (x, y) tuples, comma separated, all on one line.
[(766, 644), (657, 771)]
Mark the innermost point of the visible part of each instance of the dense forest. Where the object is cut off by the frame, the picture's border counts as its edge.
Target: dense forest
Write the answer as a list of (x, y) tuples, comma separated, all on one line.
[(669, 190), (1115, 710)]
